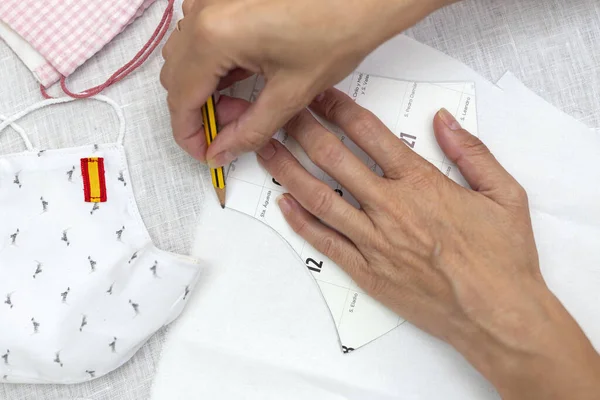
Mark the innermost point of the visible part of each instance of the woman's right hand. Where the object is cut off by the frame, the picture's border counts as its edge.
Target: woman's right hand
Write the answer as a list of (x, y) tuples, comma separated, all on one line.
[(301, 47)]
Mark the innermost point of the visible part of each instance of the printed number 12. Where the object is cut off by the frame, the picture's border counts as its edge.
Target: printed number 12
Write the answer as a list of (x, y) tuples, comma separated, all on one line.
[(317, 265)]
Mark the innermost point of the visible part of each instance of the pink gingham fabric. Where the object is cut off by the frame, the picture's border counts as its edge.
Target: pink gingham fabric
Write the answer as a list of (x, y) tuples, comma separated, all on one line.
[(68, 32)]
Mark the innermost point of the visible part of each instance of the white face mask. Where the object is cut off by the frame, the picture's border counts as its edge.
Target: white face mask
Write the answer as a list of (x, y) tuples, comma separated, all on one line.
[(82, 287)]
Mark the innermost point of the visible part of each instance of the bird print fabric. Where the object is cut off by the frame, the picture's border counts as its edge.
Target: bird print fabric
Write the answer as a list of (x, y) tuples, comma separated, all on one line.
[(81, 285)]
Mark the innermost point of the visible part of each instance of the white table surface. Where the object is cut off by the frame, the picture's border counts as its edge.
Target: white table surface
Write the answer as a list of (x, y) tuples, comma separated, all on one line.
[(552, 46)]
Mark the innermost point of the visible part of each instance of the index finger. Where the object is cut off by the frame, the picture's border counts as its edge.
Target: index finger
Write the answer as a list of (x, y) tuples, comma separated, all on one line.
[(367, 131), (279, 101), (186, 116), (228, 109)]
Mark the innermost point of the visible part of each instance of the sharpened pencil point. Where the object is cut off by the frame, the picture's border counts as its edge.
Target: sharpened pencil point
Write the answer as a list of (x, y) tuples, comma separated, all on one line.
[(221, 196)]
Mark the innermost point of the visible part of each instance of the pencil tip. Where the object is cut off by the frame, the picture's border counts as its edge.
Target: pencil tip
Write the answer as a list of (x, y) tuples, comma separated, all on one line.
[(221, 196)]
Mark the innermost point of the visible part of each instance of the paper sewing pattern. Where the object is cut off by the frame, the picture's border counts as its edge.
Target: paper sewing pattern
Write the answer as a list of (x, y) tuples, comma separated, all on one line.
[(406, 108)]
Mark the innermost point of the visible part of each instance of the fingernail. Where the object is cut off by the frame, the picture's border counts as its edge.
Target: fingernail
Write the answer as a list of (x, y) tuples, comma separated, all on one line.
[(221, 159), (284, 203), (267, 151), (319, 97), (449, 120)]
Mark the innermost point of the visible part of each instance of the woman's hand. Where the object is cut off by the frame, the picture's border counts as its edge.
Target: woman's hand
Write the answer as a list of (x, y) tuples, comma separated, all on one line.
[(300, 46), (461, 264)]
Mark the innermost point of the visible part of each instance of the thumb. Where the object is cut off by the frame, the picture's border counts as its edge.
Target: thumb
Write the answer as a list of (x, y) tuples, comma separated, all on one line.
[(475, 162), (278, 102)]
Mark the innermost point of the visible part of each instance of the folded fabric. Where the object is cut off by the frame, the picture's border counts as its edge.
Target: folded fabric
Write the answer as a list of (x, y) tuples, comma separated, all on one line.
[(55, 37)]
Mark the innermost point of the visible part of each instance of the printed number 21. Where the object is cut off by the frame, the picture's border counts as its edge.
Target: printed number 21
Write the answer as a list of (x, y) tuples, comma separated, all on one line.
[(317, 265), (410, 140)]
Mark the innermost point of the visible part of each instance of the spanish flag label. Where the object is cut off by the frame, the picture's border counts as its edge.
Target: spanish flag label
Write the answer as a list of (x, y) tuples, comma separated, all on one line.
[(94, 185)]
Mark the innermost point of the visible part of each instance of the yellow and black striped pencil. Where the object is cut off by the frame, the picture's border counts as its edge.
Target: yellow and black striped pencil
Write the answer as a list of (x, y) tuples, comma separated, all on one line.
[(209, 116)]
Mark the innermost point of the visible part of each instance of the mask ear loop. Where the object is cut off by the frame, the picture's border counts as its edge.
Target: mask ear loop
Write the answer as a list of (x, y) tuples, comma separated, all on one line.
[(20, 131), (120, 115), (49, 102)]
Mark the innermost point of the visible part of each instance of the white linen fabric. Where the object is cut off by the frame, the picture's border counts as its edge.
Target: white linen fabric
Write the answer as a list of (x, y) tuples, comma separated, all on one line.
[(272, 338), (85, 286), (551, 46)]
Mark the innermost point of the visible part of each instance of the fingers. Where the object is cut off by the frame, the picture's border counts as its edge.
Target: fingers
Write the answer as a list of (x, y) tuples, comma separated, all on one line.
[(228, 109), (315, 196), (279, 101), (367, 131), (475, 162), (232, 77), (333, 157), (169, 46), (324, 239), (186, 96), (185, 62), (187, 6)]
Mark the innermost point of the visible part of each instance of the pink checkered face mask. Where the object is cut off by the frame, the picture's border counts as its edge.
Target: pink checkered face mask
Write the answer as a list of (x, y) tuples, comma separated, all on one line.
[(55, 37)]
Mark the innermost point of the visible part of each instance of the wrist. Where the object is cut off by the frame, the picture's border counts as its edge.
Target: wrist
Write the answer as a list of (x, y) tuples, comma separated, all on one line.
[(542, 354)]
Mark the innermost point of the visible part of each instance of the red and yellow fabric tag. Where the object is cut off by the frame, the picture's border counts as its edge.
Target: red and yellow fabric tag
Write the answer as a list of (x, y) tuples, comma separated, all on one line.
[(94, 184)]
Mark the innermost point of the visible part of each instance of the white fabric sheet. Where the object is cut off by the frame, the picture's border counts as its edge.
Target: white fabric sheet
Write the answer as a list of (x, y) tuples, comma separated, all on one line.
[(260, 329)]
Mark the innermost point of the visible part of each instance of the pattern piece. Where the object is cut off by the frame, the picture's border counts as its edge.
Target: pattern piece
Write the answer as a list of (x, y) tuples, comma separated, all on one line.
[(407, 109)]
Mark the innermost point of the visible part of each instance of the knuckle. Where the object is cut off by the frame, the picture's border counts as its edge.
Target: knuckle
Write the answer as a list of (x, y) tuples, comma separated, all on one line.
[(379, 246), (294, 123), (375, 285), (253, 140), (172, 103), (363, 121), (177, 139), (280, 168), (301, 227), (335, 108), (294, 99), (518, 193), (163, 77), (327, 245), (187, 6), (215, 24), (474, 146), (330, 153), (320, 202), (422, 176)]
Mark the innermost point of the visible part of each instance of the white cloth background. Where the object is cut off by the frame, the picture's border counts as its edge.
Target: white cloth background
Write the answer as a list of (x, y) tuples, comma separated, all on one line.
[(552, 46)]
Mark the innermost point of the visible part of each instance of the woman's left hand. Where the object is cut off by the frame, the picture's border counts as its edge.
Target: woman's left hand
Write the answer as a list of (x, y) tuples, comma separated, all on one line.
[(458, 263)]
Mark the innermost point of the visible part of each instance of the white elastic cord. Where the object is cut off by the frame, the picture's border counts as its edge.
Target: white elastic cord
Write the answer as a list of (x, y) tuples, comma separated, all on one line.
[(20, 131), (45, 103), (118, 111)]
